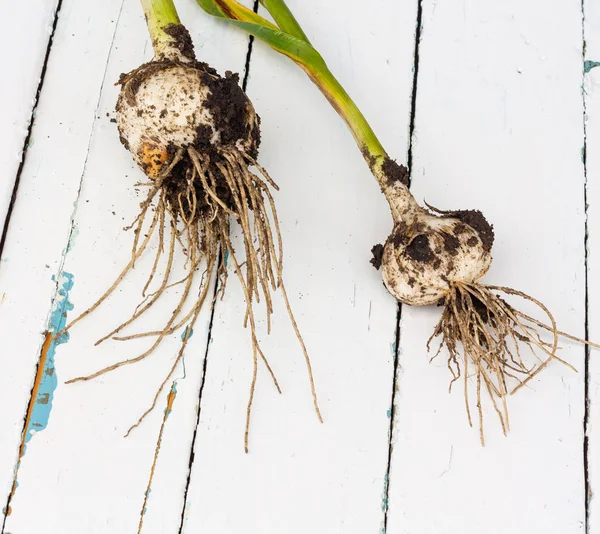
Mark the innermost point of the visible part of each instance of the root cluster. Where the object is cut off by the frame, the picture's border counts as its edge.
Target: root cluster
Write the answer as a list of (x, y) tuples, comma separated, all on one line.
[(190, 204), (502, 348)]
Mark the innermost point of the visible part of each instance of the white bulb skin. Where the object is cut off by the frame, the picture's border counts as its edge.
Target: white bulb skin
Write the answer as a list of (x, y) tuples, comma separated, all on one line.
[(165, 106), (424, 257)]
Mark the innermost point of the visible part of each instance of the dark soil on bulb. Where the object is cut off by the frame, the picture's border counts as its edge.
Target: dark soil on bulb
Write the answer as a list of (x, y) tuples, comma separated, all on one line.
[(182, 40), (476, 220), (418, 249), (228, 105), (395, 172)]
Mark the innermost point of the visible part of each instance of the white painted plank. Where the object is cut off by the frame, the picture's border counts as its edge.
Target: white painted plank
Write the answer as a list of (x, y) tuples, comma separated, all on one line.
[(41, 218), (25, 40), (591, 88), (99, 479), (498, 127), (300, 476)]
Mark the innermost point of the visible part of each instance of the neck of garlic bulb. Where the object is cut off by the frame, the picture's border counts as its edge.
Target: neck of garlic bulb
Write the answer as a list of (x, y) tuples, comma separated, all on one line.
[(165, 31)]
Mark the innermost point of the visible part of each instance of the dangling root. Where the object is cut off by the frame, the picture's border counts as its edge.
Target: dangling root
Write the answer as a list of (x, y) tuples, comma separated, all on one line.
[(493, 335), (215, 185)]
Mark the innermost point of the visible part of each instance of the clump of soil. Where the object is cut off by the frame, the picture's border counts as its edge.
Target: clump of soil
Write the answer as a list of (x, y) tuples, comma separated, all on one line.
[(377, 252), (228, 105), (394, 172), (476, 220), (182, 40)]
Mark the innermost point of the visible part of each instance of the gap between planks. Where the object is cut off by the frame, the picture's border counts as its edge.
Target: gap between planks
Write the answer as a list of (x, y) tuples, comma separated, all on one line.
[(27, 139), (409, 161), (586, 366), (211, 321)]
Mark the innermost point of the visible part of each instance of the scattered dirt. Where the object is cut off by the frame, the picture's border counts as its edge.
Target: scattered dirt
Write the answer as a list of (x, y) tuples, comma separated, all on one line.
[(394, 172), (451, 243), (418, 249), (399, 235), (377, 252), (182, 40)]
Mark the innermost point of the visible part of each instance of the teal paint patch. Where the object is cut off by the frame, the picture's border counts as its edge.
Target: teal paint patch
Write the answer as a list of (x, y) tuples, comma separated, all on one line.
[(589, 65), (45, 393), (389, 413), (187, 333), (384, 495), (72, 237)]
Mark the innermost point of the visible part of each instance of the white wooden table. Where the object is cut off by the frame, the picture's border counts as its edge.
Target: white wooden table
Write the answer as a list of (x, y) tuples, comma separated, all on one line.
[(505, 118)]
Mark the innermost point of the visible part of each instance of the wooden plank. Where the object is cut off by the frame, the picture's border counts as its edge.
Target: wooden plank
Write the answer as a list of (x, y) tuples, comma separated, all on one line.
[(40, 225), (301, 476), (99, 480), (27, 36), (591, 88), (498, 127)]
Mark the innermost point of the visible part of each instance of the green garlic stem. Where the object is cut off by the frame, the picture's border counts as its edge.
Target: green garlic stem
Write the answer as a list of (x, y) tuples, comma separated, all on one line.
[(159, 15), (363, 134)]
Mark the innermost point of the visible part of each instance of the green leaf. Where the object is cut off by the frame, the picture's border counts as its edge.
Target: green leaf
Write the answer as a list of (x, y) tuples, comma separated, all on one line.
[(284, 18), (293, 47)]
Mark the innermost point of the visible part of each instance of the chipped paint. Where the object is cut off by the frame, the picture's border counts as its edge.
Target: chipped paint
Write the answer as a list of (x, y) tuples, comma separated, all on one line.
[(187, 333), (169, 408), (72, 237), (45, 382), (384, 504), (589, 65), (384, 495)]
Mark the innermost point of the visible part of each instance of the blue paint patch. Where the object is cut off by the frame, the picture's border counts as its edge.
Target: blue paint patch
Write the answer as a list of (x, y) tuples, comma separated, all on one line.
[(389, 413), (589, 65), (226, 257), (187, 333), (58, 320)]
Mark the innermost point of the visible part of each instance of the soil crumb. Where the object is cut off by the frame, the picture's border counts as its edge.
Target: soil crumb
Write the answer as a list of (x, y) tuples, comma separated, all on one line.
[(377, 258), (418, 249), (394, 172)]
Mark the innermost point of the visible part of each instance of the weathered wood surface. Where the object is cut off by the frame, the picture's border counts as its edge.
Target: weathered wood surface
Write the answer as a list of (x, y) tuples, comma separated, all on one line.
[(498, 124)]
